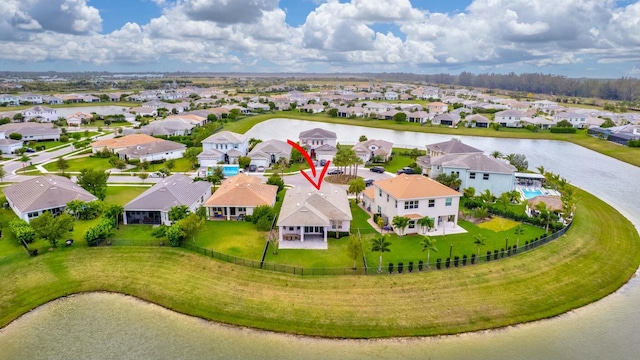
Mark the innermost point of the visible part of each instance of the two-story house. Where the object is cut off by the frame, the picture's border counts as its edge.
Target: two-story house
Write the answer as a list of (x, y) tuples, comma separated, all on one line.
[(414, 197), (320, 143), (41, 113), (509, 118), (223, 147), (11, 100), (476, 170)]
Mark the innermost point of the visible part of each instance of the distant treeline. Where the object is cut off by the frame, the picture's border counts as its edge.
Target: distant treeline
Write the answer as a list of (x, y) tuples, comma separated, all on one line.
[(623, 89)]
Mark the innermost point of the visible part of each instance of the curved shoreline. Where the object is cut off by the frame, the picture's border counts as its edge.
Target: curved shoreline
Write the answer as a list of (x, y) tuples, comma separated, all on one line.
[(566, 274)]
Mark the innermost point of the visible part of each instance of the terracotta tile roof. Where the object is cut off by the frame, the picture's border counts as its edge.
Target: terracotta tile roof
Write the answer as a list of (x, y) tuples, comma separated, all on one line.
[(243, 190), (414, 187), (369, 192), (124, 141)]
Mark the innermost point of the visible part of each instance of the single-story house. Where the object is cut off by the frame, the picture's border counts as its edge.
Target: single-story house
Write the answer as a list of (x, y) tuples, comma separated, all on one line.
[(237, 196), (268, 152), (31, 131), (120, 143), (9, 146), (308, 214), (152, 206), (154, 151), (30, 198)]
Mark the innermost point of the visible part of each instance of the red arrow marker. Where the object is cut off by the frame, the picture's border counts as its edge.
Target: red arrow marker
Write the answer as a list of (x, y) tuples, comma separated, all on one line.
[(311, 179)]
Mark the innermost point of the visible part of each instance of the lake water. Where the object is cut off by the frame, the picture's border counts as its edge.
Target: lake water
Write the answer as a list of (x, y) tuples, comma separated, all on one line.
[(115, 326), (102, 110)]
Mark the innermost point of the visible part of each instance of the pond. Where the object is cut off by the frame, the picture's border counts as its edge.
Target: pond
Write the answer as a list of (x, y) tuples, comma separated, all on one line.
[(115, 326)]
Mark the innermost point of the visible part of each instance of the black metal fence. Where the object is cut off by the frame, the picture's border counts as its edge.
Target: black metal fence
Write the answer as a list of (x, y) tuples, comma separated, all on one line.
[(403, 267)]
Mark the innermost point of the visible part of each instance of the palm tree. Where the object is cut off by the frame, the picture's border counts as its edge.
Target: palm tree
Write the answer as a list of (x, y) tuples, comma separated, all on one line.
[(541, 169), (504, 200), (496, 154), (545, 213), (380, 244), (400, 222), (428, 244), (480, 240), (487, 197), (74, 207), (426, 222), (356, 186), (115, 211), (514, 195), (469, 192)]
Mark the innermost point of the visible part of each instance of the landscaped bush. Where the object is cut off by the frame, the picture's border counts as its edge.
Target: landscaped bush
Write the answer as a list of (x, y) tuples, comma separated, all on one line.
[(390, 268), (410, 266), (473, 259), (420, 265), (502, 253), (400, 267), (515, 249), (488, 255), (64, 138), (264, 224), (464, 260), (456, 260), (563, 130), (438, 264), (447, 263), (495, 254)]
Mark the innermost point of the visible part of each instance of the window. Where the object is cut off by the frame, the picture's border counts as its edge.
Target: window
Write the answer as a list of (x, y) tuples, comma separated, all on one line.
[(412, 224), (447, 202), (242, 209), (485, 176), (290, 228), (380, 192), (411, 204), (336, 224), (387, 197), (432, 203), (472, 175), (396, 204)]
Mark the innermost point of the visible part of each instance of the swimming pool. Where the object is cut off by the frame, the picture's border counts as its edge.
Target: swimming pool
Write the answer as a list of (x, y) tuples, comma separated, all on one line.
[(531, 193)]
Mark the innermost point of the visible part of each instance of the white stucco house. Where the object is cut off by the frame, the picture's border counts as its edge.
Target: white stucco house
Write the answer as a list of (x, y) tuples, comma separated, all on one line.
[(415, 197), (268, 152), (225, 146)]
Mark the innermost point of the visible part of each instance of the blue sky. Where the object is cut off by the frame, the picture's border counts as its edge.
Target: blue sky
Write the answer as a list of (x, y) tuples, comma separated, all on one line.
[(577, 38)]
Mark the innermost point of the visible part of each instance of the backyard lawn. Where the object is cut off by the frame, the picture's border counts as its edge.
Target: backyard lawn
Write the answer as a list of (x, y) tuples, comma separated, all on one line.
[(75, 165), (236, 238), (121, 195), (336, 256)]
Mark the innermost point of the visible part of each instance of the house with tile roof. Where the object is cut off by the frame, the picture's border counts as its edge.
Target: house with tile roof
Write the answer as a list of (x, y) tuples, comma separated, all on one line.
[(366, 150), (268, 152), (238, 195), (476, 170), (120, 143), (152, 206), (30, 198), (415, 197), (309, 214), (161, 150), (437, 107)]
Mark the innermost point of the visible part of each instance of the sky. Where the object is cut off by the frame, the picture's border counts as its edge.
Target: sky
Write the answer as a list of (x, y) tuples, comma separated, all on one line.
[(575, 38)]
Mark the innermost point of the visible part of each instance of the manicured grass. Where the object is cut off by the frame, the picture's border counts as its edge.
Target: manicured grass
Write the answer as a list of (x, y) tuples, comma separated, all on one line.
[(133, 232), (336, 256), (360, 218), (498, 224), (121, 195), (407, 248), (237, 238), (622, 153), (591, 261), (78, 164)]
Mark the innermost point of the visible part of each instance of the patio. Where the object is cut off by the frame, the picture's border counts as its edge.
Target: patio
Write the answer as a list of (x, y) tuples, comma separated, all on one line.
[(311, 242)]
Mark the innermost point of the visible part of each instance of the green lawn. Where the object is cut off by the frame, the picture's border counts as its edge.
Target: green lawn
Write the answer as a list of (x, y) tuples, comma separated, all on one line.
[(336, 256), (133, 232), (237, 238), (75, 165), (121, 195)]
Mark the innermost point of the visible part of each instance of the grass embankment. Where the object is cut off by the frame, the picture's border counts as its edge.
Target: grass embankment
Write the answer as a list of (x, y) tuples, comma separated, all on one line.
[(593, 260), (622, 153)]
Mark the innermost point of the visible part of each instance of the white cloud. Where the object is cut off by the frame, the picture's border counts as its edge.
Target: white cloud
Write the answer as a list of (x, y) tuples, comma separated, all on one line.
[(335, 36)]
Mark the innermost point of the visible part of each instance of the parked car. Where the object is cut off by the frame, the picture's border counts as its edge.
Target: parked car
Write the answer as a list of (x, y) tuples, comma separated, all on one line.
[(323, 162), (30, 150), (155, 175), (405, 170), (335, 172), (260, 168), (368, 182), (377, 169), (252, 167)]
